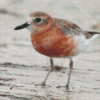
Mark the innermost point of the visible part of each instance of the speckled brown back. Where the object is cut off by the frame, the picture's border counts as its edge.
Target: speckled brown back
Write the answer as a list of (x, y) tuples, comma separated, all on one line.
[(69, 28)]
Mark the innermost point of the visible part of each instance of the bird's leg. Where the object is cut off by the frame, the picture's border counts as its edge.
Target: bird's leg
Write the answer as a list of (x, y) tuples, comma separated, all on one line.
[(51, 68), (70, 71)]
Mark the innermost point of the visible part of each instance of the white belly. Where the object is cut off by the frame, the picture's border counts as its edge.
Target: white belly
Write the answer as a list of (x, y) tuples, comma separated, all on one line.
[(82, 44)]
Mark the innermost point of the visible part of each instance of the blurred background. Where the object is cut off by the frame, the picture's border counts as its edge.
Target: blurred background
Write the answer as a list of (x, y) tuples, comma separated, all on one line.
[(16, 48)]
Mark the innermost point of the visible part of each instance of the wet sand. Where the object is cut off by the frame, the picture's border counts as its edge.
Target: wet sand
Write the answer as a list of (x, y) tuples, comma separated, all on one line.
[(17, 82)]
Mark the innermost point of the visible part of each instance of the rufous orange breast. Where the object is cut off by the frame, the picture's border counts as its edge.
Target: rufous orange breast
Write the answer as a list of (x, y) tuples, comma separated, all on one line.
[(53, 43)]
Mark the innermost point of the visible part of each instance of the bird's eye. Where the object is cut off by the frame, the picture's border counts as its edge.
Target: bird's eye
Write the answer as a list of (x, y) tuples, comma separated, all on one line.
[(38, 21)]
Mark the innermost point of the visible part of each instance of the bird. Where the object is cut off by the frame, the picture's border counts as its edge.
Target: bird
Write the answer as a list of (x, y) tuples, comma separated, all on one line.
[(57, 38)]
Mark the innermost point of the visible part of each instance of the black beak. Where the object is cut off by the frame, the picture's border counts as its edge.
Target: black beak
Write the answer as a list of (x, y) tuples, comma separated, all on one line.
[(22, 26)]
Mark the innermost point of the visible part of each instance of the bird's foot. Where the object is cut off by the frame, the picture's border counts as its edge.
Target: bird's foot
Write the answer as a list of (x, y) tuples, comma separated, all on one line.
[(42, 84), (60, 86), (67, 87)]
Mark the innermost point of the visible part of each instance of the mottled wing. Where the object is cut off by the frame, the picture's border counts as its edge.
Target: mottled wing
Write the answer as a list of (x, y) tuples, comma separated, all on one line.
[(69, 28)]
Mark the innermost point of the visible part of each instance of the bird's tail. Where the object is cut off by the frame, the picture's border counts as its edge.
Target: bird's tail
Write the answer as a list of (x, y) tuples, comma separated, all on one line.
[(94, 35)]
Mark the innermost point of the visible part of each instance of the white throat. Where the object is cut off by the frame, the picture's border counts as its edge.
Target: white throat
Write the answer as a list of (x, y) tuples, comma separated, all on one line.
[(30, 29)]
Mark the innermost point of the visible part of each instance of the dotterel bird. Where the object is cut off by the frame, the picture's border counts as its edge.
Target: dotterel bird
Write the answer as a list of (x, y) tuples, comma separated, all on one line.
[(55, 37)]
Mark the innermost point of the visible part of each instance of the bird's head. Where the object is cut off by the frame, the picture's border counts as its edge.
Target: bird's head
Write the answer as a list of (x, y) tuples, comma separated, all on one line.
[(37, 22)]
